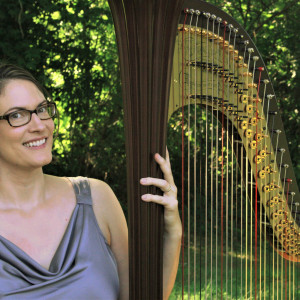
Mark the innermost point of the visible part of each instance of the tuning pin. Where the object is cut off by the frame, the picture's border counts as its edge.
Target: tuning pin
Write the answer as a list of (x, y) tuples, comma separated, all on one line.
[(230, 26), (191, 11), (246, 43), (277, 131), (270, 96), (266, 81), (281, 150), (273, 113)]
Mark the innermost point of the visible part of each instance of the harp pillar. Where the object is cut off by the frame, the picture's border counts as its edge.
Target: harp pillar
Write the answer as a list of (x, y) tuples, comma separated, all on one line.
[(145, 31)]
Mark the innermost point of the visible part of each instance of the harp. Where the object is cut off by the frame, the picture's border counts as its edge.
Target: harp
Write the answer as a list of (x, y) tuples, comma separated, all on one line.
[(243, 196)]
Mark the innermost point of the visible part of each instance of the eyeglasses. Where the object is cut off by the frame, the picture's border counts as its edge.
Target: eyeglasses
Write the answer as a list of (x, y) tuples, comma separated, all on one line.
[(23, 116)]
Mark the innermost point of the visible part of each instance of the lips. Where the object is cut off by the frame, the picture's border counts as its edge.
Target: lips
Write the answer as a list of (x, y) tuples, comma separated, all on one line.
[(35, 143)]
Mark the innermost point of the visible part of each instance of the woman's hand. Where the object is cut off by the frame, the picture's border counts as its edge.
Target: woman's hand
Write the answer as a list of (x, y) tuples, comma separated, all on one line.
[(172, 223)]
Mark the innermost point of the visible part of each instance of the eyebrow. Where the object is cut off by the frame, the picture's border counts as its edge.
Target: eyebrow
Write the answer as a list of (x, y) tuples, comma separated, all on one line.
[(19, 107)]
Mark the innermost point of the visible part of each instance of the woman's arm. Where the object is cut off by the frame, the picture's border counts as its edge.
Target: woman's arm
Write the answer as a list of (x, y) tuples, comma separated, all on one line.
[(172, 222), (112, 222)]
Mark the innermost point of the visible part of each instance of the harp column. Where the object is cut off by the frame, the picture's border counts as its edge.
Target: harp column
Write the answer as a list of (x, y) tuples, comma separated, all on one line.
[(145, 31)]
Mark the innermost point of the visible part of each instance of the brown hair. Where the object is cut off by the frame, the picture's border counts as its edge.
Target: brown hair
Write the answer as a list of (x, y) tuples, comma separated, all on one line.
[(9, 72)]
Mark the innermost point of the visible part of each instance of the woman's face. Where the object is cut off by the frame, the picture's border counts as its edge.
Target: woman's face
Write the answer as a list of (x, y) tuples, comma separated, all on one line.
[(30, 145)]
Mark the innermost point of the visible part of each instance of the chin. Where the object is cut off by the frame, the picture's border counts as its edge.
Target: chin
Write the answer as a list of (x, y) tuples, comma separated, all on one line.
[(47, 161), (42, 161)]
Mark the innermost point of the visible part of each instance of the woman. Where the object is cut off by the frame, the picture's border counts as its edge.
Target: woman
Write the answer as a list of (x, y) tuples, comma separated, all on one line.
[(63, 238)]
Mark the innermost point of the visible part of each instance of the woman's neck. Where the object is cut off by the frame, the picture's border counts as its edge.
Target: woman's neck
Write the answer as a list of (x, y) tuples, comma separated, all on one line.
[(21, 189)]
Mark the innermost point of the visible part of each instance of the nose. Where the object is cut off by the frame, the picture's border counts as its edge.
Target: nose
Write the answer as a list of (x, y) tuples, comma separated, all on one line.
[(36, 124)]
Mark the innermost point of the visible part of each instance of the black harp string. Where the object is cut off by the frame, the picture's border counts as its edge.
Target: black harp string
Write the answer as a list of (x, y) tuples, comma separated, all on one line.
[(197, 12), (246, 200), (227, 161), (219, 20), (250, 51), (232, 159), (189, 151)]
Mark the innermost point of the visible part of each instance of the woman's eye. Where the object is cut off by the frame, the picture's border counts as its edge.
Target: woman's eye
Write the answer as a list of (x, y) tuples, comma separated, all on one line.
[(17, 115), (42, 109)]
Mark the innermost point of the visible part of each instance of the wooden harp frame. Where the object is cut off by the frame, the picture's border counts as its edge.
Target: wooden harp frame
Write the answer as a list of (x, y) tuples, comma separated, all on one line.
[(145, 33)]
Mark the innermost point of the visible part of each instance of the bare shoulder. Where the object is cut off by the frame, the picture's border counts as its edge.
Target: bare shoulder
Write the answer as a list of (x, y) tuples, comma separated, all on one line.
[(101, 192), (59, 189), (107, 208)]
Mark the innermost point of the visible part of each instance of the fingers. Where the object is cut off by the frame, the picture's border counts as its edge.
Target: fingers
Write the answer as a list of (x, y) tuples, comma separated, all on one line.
[(165, 167), (167, 185), (167, 156), (163, 184), (170, 203), (153, 198)]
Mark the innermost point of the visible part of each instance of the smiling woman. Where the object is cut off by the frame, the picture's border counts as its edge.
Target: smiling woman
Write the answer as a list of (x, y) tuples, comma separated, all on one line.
[(70, 241), (18, 98)]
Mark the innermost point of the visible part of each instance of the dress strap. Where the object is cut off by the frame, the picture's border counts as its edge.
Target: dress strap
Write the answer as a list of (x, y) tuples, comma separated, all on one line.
[(82, 190)]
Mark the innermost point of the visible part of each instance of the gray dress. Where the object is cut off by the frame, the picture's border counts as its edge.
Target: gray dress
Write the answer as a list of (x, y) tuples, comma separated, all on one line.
[(83, 266)]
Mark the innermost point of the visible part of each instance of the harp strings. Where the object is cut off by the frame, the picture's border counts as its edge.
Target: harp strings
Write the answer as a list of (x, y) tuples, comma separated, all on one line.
[(213, 17), (217, 83), (182, 93)]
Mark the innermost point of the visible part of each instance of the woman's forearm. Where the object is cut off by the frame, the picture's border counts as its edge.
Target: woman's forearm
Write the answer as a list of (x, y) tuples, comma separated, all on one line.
[(171, 248)]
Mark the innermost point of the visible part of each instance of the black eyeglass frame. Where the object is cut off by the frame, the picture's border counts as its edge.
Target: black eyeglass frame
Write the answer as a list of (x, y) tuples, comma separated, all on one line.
[(6, 117)]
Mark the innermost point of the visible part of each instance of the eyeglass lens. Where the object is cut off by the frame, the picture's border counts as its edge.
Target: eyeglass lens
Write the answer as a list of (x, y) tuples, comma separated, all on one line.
[(22, 117)]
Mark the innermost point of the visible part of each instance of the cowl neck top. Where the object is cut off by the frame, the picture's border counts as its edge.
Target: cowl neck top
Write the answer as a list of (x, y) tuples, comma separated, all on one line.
[(83, 266)]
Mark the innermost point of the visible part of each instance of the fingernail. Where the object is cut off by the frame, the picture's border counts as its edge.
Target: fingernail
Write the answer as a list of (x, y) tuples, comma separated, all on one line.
[(144, 197), (143, 180)]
